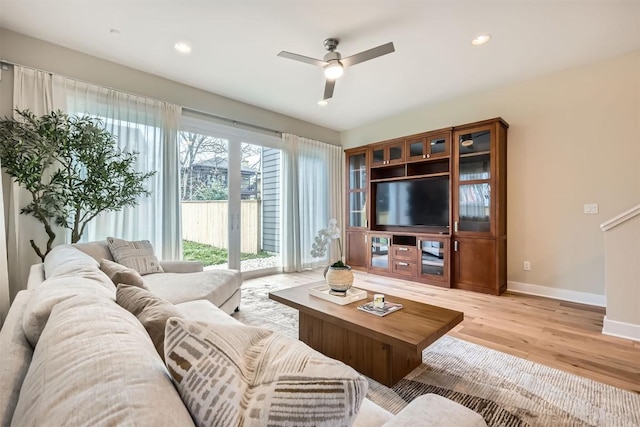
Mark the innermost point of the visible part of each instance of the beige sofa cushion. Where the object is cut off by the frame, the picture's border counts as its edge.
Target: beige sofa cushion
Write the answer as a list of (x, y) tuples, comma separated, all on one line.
[(16, 357), (152, 311), (95, 366), (90, 283), (118, 273), (216, 286), (372, 415), (66, 258), (243, 375), (436, 411), (205, 311), (97, 250), (137, 255)]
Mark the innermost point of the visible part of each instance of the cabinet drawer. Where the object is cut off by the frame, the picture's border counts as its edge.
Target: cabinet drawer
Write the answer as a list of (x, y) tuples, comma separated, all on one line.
[(404, 252), (404, 268)]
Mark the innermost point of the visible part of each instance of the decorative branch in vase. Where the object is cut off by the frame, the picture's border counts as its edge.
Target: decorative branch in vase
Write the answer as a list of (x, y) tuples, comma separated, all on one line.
[(338, 275)]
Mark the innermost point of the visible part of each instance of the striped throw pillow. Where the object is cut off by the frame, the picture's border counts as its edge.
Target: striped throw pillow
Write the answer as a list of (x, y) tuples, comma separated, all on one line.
[(243, 375), (136, 255)]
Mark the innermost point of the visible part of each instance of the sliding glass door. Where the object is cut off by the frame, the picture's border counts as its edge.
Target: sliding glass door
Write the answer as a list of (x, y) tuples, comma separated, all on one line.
[(230, 197), (204, 193)]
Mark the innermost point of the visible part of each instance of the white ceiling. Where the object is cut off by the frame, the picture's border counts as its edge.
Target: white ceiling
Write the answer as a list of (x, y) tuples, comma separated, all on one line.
[(235, 44)]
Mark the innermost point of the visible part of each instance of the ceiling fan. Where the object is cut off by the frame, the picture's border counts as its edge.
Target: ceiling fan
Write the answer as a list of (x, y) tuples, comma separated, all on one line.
[(334, 64)]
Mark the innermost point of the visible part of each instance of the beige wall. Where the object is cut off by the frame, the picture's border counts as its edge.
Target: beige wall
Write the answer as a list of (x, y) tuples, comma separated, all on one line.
[(27, 51), (574, 138)]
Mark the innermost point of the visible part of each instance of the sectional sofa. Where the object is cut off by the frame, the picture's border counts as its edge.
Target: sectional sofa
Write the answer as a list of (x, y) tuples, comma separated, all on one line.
[(73, 355)]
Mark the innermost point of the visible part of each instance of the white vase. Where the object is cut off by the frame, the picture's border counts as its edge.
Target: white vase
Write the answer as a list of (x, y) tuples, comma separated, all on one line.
[(339, 279)]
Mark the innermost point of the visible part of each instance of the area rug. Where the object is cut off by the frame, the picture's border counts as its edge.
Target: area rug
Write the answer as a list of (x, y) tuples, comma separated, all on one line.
[(506, 390)]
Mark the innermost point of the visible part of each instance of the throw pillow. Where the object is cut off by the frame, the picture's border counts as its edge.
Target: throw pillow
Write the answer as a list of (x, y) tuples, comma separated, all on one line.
[(137, 255), (119, 273), (152, 311), (243, 375), (95, 366)]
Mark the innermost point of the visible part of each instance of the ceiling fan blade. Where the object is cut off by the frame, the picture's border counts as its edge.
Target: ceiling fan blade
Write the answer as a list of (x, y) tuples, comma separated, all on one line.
[(302, 58), (368, 54), (328, 89)]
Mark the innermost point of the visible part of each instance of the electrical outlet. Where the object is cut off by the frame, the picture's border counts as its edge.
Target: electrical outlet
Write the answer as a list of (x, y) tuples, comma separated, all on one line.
[(526, 266), (591, 208)]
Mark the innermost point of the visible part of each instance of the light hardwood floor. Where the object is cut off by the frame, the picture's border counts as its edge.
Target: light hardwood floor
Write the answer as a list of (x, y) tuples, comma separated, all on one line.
[(559, 334)]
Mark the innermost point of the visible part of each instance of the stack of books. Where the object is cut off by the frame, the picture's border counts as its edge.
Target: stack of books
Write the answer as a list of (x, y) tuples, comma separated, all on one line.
[(389, 307)]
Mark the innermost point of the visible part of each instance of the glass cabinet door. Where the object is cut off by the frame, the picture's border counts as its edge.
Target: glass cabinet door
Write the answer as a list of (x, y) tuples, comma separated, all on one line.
[(432, 256), (357, 209), (438, 145), (378, 157), (357, 189), (474, 207), (474, 178), (357, 171), (433, 260), (395, 153), (416, 148), (428, 146), (387, 154), (379, 252)]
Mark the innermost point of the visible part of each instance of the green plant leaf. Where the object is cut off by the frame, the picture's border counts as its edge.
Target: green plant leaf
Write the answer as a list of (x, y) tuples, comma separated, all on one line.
[(72, 168)]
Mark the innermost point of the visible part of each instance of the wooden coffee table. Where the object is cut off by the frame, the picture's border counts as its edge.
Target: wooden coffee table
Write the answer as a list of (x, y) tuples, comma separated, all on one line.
[(383, 348)]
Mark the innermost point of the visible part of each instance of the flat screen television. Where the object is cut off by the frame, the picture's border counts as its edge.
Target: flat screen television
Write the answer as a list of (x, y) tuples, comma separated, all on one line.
[(417, 202)]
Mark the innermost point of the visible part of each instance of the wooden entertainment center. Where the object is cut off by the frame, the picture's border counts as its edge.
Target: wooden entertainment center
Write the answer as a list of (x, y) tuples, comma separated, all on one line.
[(431, 207)]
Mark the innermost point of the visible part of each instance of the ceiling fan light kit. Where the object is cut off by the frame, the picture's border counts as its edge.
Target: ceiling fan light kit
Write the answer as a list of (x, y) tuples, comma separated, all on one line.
[(333, 63), (334, 70)]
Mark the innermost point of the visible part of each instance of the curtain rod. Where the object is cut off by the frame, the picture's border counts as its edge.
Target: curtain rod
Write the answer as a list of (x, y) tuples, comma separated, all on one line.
[(193, 110), (3, 61), (232, 121)]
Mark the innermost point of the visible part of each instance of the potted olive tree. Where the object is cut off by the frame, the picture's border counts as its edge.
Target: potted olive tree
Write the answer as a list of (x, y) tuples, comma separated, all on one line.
[(71, 167)]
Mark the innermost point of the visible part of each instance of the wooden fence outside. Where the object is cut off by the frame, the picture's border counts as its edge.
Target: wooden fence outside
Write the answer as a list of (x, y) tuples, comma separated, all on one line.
[(207, 222)]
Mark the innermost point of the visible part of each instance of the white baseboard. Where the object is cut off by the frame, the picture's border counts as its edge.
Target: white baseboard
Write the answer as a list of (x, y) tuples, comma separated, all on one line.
[(556, 293), (621, 329)]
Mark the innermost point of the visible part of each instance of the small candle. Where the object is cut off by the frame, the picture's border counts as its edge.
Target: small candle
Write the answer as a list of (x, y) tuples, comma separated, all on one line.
[(378, 300)]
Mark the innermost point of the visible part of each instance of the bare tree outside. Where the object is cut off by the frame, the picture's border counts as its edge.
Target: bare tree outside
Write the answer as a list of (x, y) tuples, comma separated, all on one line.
[(194, 148), (251, 156), (198, 152)]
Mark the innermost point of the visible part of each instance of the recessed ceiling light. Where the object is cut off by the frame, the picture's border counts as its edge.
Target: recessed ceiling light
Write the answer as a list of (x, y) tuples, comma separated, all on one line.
[(182, 47), (480, 39), (322, 103)]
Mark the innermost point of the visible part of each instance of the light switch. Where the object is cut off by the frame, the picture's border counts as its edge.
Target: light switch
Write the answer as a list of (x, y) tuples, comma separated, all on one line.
[(591, 208)]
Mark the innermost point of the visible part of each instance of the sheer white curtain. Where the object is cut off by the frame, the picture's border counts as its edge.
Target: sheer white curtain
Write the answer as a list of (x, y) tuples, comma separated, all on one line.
[(5, 293), (39, 92), (312, 194), (150, 128), (147, 126)]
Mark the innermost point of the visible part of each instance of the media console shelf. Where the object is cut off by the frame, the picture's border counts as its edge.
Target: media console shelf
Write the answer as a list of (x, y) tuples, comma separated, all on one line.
[(431, 207)]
